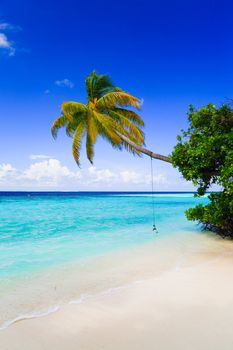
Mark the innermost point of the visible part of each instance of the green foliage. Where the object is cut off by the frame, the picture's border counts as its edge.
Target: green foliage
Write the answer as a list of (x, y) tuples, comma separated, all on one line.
[(204, 155), (107, 114)]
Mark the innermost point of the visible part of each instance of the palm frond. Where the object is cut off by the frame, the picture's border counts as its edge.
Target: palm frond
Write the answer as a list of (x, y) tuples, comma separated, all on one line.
[(132, 129), (103, 84), (73, 110), (58, 123), (134, 117), (106, 128), (71, 127), (131, 149), (89, 82), (115, 99), (92, 133), (107, 113), (77, 139), (98, 85)]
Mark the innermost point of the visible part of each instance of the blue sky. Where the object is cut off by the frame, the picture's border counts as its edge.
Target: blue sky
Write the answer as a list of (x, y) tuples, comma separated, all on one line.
[(168, 53)]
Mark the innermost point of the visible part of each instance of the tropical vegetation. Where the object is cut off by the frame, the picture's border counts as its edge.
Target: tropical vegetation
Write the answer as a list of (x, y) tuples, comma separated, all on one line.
[(203, 154), (108, 112)]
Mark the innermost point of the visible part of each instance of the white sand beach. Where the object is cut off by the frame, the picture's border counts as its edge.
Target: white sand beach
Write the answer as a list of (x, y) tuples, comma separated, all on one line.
[(189, 306)]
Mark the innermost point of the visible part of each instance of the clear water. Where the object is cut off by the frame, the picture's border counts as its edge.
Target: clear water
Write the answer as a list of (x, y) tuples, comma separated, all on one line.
[(38, 231), (57, 247)]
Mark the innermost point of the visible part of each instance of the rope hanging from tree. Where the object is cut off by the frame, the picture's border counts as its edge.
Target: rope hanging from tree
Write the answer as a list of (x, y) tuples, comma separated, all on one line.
[(152, 195)]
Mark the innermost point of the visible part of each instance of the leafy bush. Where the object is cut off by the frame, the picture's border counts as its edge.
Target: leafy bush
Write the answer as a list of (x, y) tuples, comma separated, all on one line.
[(204, 155)]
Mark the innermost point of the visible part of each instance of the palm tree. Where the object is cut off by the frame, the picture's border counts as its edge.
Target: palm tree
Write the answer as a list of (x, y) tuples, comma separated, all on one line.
[(108, 113)]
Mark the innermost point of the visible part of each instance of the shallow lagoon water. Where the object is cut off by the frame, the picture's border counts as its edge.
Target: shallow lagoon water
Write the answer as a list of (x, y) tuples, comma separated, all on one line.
[(55, 247), (39, 231)]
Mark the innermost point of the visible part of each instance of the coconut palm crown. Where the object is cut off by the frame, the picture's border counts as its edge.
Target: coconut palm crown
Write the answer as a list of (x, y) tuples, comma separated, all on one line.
[(107, 113)]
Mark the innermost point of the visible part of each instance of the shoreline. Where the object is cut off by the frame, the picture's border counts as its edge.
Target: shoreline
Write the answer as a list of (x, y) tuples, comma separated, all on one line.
[(56, 308), (104, 274), (184, 307), (45, 290)]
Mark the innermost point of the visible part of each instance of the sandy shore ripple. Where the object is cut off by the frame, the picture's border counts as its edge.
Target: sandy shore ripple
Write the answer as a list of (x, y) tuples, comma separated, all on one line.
[(189, 307)]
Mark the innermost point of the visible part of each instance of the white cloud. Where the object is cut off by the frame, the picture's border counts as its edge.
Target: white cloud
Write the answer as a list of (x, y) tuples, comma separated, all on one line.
[(100, 175), (49, 173), (47, 91), (159, 179), (134, 177), (38, 156), (65, 83), (141, 102), (46, 173), (5, 170), (5, 26), (50, 169), (124, 177), (5, 44), (130, 176)]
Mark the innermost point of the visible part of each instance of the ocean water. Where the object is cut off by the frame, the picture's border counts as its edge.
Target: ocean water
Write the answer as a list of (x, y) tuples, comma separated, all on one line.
[(45, 238), (42, 230)]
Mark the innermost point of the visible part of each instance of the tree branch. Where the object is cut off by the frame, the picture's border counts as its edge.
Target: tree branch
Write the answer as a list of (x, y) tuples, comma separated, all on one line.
[(144, 150)]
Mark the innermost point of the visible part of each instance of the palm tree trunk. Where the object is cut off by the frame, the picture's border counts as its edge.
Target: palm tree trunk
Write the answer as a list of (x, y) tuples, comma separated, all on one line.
[(145, 150)]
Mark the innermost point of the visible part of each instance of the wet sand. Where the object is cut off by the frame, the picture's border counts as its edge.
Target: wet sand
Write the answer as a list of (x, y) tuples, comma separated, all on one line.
[(188, 306)]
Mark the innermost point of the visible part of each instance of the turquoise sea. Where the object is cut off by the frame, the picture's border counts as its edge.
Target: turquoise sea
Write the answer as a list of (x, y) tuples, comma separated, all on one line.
[(45, 232), (39, 230)]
